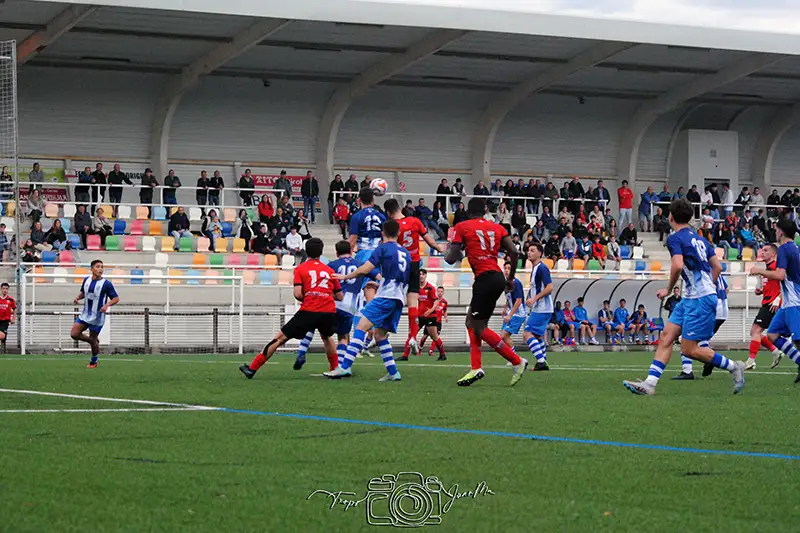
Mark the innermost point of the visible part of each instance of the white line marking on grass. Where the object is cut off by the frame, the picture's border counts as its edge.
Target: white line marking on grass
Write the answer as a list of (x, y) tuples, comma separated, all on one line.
[(104, 399), (131, 410)]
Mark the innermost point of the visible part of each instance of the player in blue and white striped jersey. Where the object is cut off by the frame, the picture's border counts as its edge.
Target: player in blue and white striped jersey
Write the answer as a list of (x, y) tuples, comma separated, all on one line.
[(541, 304), (98, 296), (720, 318)]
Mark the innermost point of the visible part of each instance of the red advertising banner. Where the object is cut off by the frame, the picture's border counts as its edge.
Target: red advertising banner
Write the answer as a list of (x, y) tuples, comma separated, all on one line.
[(51, 194), (267, 181)]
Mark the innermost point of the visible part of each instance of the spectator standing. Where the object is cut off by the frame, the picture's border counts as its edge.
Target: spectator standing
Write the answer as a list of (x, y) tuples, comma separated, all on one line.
[(247, 186), (85, 178), (440, 217), (756, 201), (36, 177), (694, 197), (743, 200), (458, 194), (337, 185), (443, 191), (100, 184), (6, 189), (577, 192), (265, 209), (4, 244), (664, 199), (425, 215), (716, 201), (243, 229), (773, 199), (215, 187), (707, 202), (201, 193), (115, 180), (36, 205), (569, 247), (727, 199), (101, 226), (534, 190), (351, 185), (628, 236), (284, 186), (342, 214), (625, 200), (649, 199), (550, 196), (294, 245), (179, 227), (171, 184), (149, 183), (480, 189), (82, 224), (681, 193), (602, 195), (310, 192), (366, 183), (302, 225)]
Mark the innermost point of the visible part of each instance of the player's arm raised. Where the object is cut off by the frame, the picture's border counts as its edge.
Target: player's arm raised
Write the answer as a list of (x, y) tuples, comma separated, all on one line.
[(779, 274), (363, 270), (675, 269)]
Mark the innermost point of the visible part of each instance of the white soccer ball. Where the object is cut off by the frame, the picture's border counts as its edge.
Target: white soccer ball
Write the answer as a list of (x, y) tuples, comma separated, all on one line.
[(378, 186)]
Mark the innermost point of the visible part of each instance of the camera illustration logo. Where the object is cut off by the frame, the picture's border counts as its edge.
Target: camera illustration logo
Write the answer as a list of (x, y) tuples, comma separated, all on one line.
[(405, 499)]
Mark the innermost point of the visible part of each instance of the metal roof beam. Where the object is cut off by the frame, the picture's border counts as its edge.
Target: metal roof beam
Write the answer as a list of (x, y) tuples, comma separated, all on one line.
[(178, 84), (644, 117), (767, 144), (55, 28), (358, 86), (483, 140)]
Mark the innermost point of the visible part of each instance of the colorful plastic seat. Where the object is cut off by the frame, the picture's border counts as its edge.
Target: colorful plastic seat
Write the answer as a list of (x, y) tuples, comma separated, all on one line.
[(159, 213), (112, 243), (148, 244), (216, 260), (185, 244), (203, 244), (138, 276), (49, 257), (93, 242), (167, 244), (66, 256), (137, 227), (119, 227)]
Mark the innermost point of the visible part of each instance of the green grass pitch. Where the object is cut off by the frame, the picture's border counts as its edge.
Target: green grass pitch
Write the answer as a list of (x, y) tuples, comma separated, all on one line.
[(212, 471)]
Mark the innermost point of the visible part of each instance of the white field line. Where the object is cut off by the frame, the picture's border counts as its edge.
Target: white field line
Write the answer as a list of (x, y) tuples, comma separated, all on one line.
[(131, 410), (104, 399)]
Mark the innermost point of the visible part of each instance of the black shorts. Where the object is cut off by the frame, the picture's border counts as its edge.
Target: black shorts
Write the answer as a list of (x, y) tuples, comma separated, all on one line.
[(425, 321), (304, 321), (438, 327), (4, 326), (486, 290), (764, 317), (413, 278)]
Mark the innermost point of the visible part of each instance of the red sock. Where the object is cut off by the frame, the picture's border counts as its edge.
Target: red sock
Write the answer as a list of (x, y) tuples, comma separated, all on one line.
[(258, 362), (413, 325), (754, 347), (333, 360), (422, 344), (407, 348), (765, 342), (440, 346), (494, 340), (474, 350)]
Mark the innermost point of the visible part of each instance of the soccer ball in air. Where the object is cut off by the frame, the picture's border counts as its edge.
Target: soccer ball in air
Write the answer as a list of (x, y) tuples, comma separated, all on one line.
[(378, 186)]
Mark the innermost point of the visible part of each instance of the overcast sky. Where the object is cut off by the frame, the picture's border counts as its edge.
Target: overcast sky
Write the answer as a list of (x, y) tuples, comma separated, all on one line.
[(766, 15)]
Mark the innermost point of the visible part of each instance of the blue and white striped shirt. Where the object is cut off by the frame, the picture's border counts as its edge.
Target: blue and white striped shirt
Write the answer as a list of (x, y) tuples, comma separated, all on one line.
[(789, 260), (96, 292)]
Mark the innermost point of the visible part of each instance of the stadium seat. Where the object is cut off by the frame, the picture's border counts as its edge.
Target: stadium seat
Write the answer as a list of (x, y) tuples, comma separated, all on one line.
[(203, 243), (720, 253), (199, 259), (130, 244), (234, 260), (562, 265), (270, 261), (638, 252), (211, 277), (60, 271), (450, 218), (176, 272), (112, 243), (108, 211), (38, 269), (74, 240), (465, 265), (221, 245), (625, 252), (51, 210), (747, 254), (433, 279), (448, 280), (548, 263), (185, 244), (195, 214), (156, 228), (733, 254), (148, 244), (138, 276), (248, 277), (156, 275), (80, 273), (93, 242), (287, 261), (593, 264), (172, 210), (118, 272), (216, 260), (797, 240), (252, 213), (253, 260), (424, 249), (47, 223), (124, 212), (434, 262), (578, 264), (66, 256), (227, 229), (167, 244), (737, 283), (194, 273), (9, 222), (137, 227), (238, 246), (142, 213), (49, 257), (229, 273), (119, 227), (265, 277), (229, 214), (159, 213), (11, 208), (735, 268), (641, 266), (655, 266), (625, 266)]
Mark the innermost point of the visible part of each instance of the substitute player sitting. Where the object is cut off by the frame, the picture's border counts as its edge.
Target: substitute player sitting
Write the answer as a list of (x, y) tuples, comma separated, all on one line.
[(98, 296), (318, 290)]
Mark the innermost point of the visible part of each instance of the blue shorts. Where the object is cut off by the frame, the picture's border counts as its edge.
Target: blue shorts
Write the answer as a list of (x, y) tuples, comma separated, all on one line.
[(607, 324), (568, 254), (537, 323), (344, 323), (513, 325), (786, 323), (696, 317), (384, 313), (576, 325), (90, 327)]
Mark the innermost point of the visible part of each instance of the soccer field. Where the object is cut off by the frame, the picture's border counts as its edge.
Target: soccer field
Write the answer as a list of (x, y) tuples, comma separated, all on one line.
[(566, 450)]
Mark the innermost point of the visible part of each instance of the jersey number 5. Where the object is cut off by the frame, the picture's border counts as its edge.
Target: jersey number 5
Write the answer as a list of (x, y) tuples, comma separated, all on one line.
[(401, 261)]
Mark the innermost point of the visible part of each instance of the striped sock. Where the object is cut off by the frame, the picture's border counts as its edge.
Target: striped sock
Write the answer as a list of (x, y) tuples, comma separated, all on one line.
[(305, 342), (341, 350), (786, 346), (686, 364), (533, 345), (355, 347), (720, 361), (656, 369), (386, 354), (539, 351)]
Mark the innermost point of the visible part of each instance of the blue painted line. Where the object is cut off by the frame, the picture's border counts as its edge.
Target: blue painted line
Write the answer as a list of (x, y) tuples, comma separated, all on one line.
[(504, 434)]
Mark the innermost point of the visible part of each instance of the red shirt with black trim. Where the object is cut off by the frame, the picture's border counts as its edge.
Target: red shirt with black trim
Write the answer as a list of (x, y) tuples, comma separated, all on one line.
[(481, 240), (440, 309), (318, 284), (411, 229), (770, 288), (7, 307), (427, 297)]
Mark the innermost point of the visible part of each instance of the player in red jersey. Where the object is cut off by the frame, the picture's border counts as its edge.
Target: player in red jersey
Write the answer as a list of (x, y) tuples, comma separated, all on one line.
[(770, 292), (440, 314), (8, 311), (428, 302), (482, 241), (317, 289), (411, 229)]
